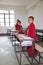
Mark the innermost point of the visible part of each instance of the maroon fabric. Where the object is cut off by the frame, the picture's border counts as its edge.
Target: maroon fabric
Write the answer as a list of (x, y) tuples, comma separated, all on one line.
[(29, 51), (31, 32), (18, 27)]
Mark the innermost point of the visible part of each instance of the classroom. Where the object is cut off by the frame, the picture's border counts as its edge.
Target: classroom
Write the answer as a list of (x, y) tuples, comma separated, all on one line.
[(21, 32)]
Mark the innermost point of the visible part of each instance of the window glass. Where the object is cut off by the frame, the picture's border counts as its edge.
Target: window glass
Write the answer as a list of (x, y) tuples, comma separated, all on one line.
[(1, 11), (7, 18), (2, 24), (7, 24), (11, 11), (1, 16), (11, 16)]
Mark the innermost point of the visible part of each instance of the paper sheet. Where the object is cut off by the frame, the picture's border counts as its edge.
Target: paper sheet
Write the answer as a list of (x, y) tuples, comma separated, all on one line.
[(25, 37), (25, 43)]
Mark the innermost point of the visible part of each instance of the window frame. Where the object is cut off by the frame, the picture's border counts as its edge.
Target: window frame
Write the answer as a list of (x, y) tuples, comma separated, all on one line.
[(8, 18)]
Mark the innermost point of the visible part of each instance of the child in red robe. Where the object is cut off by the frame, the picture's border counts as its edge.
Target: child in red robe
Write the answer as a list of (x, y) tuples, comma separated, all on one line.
[(18, 26), (31, 32)]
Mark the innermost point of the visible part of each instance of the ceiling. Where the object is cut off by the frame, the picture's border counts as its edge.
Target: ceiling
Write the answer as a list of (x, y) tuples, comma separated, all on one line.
[(23, 3)]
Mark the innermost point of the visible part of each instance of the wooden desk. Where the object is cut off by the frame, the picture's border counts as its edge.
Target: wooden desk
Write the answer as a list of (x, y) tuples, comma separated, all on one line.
[(8, 31), (11, 32), (20, 39), (40, 36), (38, 30)]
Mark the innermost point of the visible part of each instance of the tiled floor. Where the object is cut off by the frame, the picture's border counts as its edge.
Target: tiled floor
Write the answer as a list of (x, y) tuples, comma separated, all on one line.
[(7, 55)]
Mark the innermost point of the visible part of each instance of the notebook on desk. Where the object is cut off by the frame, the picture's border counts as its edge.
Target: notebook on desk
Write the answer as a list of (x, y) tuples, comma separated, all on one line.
[(25, 43), (22, 36)]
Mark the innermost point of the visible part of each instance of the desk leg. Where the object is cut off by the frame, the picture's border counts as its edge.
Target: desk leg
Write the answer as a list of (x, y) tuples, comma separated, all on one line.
[(20, 54), (32, 61), (42, 39), (39, 58), (15, 47), (12, 39), (20, 58), (32, 52)]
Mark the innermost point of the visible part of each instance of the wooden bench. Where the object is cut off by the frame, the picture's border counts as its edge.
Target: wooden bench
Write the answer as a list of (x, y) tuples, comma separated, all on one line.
[(40, 50), (37, 47)]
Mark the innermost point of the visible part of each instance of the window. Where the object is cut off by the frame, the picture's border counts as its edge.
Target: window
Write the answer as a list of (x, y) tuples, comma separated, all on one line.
[(11, 20), (2, 19), (7, 18)]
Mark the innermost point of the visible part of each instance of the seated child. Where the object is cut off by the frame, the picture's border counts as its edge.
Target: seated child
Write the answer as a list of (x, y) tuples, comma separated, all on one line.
[(18, 26), (31, 32)]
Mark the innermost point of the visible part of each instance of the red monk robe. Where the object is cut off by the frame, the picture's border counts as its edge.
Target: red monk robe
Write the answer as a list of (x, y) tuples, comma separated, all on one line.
[(19, 28), (31, 32)]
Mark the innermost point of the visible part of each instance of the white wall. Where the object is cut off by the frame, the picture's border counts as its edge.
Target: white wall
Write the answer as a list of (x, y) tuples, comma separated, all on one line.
[(22, 15), (37, 12)]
